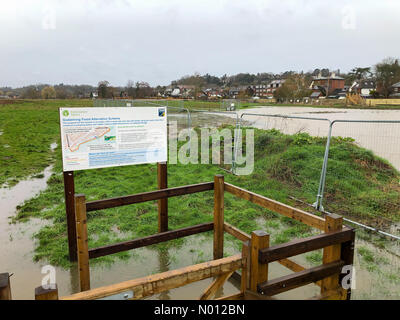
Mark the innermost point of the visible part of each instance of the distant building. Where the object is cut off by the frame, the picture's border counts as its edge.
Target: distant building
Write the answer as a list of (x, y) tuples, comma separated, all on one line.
[(316, 94), (234, 92), (94, 95), (363, 87), (273, 85), (176, 92), (260, 90), (396, 90), (330, 83)]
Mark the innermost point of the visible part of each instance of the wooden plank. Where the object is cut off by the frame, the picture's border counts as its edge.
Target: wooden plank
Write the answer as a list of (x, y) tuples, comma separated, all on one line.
[(149, 240), (239, 234), (299, 246), (333, 223), (160, 282), (148, 196), (244, 279), (218, 244), (290, 264), (278, 207), (215, 285), (82, 241), (299, 279), (69, 192), (237, 296), (245, 237), (258, 271), (347, 255), (162, 182), (295, 267), (46, 294), (5, 288), (251, 295)]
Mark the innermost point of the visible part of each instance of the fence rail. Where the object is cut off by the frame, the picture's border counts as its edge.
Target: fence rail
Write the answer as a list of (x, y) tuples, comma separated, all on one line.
[(337, 241), (382, 146)]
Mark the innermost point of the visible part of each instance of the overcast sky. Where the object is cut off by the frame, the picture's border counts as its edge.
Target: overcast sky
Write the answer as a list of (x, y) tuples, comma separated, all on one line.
[(85, 41)]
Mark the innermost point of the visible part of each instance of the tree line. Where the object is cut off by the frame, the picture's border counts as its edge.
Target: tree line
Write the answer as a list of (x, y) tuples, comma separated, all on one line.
[(384, 73)]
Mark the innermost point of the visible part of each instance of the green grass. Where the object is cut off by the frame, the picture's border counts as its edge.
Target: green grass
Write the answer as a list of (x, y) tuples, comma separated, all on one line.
[(207, 105), (28, 129), (360, 185)]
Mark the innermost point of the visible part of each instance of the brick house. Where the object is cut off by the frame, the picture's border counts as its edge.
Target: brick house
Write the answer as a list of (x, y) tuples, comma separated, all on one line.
[(330, 84)]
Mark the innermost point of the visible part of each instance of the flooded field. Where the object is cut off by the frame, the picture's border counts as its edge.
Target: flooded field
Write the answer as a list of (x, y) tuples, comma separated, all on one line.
[(17, 256), (377, 266), (376, 276)]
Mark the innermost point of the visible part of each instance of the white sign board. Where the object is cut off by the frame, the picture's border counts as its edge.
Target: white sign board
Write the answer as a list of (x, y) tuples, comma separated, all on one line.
[(108, 137)]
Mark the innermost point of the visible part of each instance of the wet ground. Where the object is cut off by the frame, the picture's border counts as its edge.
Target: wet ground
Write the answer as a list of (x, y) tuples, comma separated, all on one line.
[(373, 279), (18, 245), (376, 277)]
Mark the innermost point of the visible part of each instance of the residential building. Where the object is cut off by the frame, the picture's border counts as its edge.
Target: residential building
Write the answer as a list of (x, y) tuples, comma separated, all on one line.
[(330, 83), (260, 90), (234, 92), (363, 87), (396, 90)]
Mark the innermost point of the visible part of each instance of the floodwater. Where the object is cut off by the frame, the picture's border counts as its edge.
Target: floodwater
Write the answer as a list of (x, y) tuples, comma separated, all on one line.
[(18, 245), (381, 138), (17, 248), (16, 251)]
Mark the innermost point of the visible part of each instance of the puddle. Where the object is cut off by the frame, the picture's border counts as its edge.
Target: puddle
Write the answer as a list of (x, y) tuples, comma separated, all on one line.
[(377, 277), (17, 247), (53, 146)]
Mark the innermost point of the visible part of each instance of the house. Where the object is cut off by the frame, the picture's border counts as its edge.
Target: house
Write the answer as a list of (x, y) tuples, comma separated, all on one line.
[(213, 92), (363, 87), (316, 95), (234, 92), (338, 94), (176, 93), (330, 83), (260, 90), (396, 90), (167, 92), (273, 85), (94, 95)]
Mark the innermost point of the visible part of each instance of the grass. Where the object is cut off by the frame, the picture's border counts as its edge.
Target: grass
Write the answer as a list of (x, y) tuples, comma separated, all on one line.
[(334, 105), (208, 105), (360, 185), (28, 129)]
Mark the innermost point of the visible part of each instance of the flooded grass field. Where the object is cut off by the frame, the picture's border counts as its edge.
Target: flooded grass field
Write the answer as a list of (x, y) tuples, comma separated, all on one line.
[(34, 236)]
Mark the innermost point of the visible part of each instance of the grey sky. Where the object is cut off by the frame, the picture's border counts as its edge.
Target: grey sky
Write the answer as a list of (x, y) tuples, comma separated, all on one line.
[(85, 41)]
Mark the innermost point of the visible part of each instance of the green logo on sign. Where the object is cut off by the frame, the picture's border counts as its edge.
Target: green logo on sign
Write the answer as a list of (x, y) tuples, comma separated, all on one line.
[(65, 113)]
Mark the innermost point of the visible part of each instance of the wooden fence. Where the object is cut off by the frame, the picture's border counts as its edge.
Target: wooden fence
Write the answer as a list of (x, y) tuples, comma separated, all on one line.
[(336, 240)]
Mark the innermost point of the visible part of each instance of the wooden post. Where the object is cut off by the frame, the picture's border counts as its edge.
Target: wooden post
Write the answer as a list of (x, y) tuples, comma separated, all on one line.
[(82, 241), (333, 222), (347, 255), (5, 288), (258, 271), (162, 181), (215, 285), (218, 217), (46, 294), (244, 281), (69, 191)]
